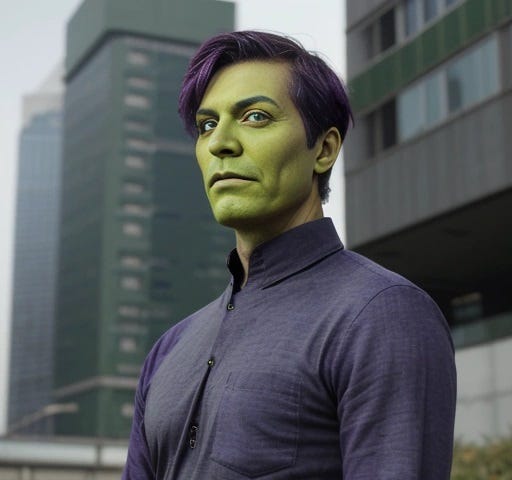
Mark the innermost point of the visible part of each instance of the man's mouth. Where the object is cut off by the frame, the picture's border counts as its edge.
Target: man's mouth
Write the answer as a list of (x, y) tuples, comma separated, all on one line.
[(227, 176)]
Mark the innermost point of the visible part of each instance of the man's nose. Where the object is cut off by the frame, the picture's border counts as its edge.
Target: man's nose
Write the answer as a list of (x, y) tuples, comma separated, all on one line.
[(223, 142)]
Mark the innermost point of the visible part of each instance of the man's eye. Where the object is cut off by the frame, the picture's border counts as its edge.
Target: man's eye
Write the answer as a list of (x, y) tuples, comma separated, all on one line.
[(256, 117), (206, 126)]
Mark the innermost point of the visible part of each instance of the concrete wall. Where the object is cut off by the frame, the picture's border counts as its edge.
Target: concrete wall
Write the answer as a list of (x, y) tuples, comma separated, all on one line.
[(484, 399), (462, 160)]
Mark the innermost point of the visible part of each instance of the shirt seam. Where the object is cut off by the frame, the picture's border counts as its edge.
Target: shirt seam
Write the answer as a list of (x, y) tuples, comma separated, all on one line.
[(365, 306)]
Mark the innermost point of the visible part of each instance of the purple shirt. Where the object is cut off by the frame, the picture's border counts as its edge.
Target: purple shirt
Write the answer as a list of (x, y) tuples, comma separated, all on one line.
[(324, 366)]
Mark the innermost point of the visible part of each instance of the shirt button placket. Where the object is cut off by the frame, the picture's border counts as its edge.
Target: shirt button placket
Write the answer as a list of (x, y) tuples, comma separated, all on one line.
[(230, 307)]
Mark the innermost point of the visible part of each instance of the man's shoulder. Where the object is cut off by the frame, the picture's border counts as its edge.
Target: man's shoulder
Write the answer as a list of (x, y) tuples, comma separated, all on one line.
[(361, 274), (356, 282), (382, 292)]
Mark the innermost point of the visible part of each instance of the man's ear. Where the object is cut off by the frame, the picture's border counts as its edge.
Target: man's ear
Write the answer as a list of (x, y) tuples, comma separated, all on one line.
[(328, 146)]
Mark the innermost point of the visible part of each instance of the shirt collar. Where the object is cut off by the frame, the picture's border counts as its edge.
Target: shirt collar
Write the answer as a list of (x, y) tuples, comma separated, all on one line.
[(287, 254)]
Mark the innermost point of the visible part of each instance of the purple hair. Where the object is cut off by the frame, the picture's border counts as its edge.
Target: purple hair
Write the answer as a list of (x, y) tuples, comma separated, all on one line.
[(315, 89)]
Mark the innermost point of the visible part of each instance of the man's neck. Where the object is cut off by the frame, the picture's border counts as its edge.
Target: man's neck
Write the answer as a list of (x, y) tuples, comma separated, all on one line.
[(248, 239)]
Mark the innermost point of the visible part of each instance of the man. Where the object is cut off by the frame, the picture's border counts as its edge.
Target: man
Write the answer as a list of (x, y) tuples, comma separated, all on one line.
[(315, 363)]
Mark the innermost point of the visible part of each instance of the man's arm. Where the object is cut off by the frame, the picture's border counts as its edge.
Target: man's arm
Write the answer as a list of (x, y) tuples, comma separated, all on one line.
[(138, 463), (397, 390)]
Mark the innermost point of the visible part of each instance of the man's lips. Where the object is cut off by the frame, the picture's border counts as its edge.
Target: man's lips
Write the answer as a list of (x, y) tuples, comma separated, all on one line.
[(226, 176)]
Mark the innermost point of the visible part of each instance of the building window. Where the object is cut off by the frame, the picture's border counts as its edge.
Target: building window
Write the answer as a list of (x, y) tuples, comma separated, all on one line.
[(429, 10), (131, 261), (380, 35), (133, 188), (135, 209), (473, 77), (140, 145), (127, 410), (435, 100), (132, 229), (131, 282), (387, 30), (137, 101), (411, 17), (140, 82), (410, 117), (138, 58), (388, 123), (137, 163), (127, 345), (381, 128), (419, 13)]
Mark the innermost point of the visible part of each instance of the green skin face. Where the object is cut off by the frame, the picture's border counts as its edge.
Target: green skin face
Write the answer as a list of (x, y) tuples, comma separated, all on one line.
[(250, 128)]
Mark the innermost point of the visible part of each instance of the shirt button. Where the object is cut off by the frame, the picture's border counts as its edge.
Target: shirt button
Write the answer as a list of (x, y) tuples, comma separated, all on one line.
[(211, 362), (231, 306)]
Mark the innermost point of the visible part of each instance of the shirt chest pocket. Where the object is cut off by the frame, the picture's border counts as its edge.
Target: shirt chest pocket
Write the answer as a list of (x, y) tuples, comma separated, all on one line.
[(257, 424)]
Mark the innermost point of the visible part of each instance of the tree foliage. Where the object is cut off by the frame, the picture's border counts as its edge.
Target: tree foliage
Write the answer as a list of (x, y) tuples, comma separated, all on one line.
[(491, 460)]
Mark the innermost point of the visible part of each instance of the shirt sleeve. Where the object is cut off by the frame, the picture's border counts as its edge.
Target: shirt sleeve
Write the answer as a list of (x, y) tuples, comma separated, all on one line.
[(397, 390), (138, 462)]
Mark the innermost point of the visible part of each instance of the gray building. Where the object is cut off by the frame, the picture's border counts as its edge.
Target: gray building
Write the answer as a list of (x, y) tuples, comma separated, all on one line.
[(139, 248), (35, 259), (61, 459), (429, 174)]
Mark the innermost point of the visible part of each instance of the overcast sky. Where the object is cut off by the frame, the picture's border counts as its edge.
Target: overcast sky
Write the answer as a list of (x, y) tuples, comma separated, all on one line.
[(32, 38)]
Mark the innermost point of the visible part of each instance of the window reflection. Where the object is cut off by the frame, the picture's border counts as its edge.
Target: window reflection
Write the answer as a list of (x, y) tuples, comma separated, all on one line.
[(429, 10), (434, 99), (456, 86), (411, 17), (410, 116)]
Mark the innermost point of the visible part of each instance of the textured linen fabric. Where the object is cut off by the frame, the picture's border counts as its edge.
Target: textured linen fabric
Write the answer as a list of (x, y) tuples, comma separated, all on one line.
[(324, 366)]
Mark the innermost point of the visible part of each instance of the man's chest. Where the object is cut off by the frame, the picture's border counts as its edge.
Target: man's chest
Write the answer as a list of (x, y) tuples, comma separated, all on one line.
[(246, 383)]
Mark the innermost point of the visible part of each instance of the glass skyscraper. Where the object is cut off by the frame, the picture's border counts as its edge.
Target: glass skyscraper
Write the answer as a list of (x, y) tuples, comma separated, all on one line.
[(35, 260)]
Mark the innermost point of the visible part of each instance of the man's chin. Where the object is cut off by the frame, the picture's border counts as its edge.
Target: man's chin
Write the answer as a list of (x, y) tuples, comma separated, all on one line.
[(237, 219)]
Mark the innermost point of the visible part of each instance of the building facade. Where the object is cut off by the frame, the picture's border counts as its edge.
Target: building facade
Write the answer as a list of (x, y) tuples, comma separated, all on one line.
[(429, 174), (61, 459), (139, 248), (35, 259)]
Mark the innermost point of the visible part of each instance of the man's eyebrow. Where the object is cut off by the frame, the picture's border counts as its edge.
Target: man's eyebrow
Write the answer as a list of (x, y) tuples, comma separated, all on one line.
[(247, 102), (207, 112), (240, 105)]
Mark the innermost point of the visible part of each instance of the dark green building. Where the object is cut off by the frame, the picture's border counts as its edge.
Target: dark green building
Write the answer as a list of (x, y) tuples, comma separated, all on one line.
[(139, 248)]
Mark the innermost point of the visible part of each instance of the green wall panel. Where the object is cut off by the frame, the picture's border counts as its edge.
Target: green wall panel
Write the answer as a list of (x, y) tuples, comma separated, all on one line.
[(410, 61), (430, 46), (451, 31)]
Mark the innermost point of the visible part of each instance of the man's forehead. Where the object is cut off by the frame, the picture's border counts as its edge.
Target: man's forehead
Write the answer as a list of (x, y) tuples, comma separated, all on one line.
[(249, 79)]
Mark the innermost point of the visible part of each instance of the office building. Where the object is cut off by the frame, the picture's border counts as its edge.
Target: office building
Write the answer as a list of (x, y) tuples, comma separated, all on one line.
[(35, 259), (429, 175), (139, 248)]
